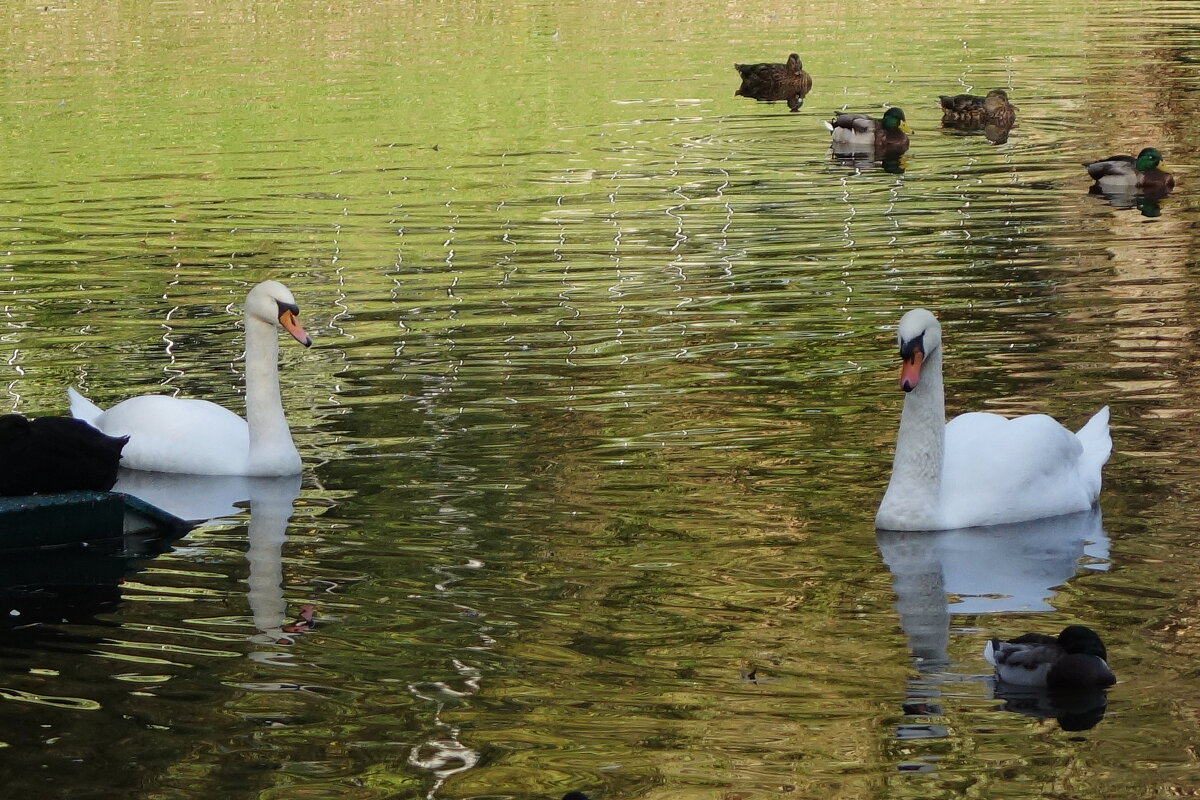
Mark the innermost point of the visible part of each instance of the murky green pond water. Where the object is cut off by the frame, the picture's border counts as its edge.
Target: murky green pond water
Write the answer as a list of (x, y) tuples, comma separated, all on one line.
[(603, 396)]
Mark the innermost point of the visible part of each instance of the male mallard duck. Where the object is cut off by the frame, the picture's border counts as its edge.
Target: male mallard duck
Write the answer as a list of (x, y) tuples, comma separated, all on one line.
[(1073, 660), (55, 454), (860, 133), (971, 109), (775, 81), (1126, 174)]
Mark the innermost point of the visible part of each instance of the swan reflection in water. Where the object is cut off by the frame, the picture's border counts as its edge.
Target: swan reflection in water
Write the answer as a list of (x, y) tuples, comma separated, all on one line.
[(999, 569), (210, 497)]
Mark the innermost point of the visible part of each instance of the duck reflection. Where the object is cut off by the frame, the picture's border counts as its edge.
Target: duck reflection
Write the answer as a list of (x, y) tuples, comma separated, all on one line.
[(1074, 711), (993, 132), (1148, 204), (892, 163), (993, 570)]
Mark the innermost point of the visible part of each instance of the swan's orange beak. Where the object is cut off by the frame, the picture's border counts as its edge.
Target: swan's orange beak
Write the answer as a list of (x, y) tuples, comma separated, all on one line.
[(910, 371), (287, 318)]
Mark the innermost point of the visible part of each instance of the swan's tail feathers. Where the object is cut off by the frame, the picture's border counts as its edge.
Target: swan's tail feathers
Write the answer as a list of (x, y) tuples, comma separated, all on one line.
[(1097, 446), (82, 408)]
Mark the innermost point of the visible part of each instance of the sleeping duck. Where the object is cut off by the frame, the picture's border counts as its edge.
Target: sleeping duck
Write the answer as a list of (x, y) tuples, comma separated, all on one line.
[(858, 133), (976, 111), (775, 81), (1129, 175), (1075, 660)]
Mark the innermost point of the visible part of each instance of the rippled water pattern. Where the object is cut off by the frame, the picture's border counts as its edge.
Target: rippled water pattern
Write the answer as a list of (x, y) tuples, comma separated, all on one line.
[(602, 399)]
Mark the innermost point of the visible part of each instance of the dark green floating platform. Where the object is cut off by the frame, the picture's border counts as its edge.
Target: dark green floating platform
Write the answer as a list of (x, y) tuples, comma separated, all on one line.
[(77, 518)]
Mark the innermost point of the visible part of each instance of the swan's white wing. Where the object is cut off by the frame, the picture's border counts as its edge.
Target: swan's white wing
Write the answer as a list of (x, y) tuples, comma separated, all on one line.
[(1000, 470), (172, 434)]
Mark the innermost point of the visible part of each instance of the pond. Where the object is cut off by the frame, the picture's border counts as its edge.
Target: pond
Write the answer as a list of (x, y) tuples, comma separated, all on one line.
[(602, 398)]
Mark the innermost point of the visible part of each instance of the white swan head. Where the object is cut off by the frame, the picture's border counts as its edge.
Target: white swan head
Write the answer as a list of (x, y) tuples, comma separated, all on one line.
[(272, 303), (920, 336)]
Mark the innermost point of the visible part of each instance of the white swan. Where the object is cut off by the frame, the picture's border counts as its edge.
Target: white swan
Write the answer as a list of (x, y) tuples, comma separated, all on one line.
[(980, 469), (172, 434)]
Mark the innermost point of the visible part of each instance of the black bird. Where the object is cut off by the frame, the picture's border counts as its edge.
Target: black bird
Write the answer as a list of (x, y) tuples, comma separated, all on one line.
[(1074, 660), (55, 454)]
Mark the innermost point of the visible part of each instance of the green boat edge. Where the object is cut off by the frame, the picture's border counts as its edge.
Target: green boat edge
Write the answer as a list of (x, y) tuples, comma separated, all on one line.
[(76, 518)]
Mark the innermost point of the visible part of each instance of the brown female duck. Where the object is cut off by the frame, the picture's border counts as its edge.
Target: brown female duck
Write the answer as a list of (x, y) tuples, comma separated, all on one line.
[(971, 109), (775, 81)]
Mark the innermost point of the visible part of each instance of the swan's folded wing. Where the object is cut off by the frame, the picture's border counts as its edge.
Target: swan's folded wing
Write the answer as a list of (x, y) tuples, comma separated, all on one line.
[(1006, 470)]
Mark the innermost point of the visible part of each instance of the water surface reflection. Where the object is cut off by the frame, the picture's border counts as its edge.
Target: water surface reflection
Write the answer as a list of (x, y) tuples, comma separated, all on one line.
[(603, 402)]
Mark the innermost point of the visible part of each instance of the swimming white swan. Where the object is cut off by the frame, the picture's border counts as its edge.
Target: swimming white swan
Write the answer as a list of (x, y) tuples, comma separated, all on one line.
[(980, 469), (172, 434)]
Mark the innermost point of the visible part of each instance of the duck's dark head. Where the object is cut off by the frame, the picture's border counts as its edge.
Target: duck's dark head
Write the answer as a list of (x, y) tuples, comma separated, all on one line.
[(1082, 639), (1148, 159), (893, 120), (995, 100)]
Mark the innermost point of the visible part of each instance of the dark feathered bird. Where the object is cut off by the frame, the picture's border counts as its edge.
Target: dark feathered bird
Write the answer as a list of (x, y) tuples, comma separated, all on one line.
[(971, 109), (1127, 175), (775, 81), (1074, 660), (55, 454), (883, 138)]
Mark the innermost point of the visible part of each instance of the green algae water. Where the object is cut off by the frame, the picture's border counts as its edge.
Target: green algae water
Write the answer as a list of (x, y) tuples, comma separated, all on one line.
[(602, 397)]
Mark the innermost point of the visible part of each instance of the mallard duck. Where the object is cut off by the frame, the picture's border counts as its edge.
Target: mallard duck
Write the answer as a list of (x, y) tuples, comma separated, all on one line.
[(971, 109), (1127, 175), (55, 454), (775, 81), (980, 469), (173, 434), (860, 133), (1075, 659)]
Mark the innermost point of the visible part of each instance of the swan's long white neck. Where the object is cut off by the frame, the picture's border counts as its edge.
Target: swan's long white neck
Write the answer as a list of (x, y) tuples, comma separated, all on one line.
[(271, 449), (911, 500)]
